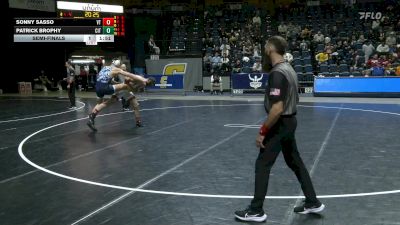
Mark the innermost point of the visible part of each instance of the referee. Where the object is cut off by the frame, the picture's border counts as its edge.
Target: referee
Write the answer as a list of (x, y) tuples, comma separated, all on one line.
[(278, 134), (70, 83)]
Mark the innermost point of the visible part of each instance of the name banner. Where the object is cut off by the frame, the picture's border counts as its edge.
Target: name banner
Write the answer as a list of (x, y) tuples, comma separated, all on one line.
[(167, 81)]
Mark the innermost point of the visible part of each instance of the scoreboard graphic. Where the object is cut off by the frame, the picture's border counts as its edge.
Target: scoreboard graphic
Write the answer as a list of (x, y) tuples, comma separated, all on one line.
[(118, 22), (93, 10), (90, 31), (90, 23)]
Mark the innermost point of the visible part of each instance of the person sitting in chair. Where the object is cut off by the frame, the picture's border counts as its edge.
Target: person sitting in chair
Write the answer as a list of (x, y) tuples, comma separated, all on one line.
[(216, 82), (44, 81)]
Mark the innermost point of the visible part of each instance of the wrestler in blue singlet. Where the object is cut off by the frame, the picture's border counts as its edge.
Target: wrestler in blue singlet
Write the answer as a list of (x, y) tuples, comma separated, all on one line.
[(103, 83)]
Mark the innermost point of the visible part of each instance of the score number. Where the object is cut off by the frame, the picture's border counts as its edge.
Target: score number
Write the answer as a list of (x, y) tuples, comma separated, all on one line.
[(92, 14), (108, 26)]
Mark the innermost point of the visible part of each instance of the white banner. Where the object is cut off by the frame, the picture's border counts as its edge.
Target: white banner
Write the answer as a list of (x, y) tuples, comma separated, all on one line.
[(39, 5), (93, 7)]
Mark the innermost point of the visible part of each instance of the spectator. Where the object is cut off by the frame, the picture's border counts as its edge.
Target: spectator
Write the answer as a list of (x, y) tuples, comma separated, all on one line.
[(152, 46), (233, 39), (361, 39), (257, 67), (256, 51), (385, 21), (381, 37), (207, 62), (246, 50), (183, 20), (237, 67), (292, 32), (375, 25), (321, 57), (247, 67), (83, 77), (289, 30), (383, 60), (334, 31), (377, 70), (282, 29), (294, 46), (288, 57), (357, 63), (390, 70), (319, 37), (225, 49), (329, 49), (397, 72), (373, 61), (304, 45), (176, 23), (391, 41), (257, 20), (368, 49), (44, 82), (383, 48), (225, 63), (305, 33), (335, 57), (216, 61), (327, 40)]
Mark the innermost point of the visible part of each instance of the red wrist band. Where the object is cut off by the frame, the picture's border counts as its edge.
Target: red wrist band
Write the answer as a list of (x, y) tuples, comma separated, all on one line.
[(263, 130)]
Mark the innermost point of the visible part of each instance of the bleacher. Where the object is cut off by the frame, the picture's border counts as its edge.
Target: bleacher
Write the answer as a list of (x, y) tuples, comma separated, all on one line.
[(341, 26)]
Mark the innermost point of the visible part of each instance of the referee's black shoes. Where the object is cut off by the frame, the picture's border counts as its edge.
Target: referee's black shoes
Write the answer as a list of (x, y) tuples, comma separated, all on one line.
[(251, 215), (307, 208)]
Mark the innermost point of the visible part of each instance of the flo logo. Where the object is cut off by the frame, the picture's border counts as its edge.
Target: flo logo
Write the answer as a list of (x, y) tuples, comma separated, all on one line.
[(370, 15), (255, 81)]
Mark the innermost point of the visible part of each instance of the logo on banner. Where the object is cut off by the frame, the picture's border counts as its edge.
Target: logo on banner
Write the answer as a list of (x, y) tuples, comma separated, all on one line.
[(255, 81), (174, 68), (164, 82)]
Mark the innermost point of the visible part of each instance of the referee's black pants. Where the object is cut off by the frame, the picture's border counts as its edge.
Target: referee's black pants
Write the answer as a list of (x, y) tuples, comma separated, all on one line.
[(71, 93), (280, 137)]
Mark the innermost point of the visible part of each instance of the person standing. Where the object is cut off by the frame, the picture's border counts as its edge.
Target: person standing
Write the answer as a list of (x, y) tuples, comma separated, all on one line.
[(277, 134), (71, 84)]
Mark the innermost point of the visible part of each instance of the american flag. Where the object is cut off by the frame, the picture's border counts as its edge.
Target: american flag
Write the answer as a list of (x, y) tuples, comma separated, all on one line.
[(275, 92)]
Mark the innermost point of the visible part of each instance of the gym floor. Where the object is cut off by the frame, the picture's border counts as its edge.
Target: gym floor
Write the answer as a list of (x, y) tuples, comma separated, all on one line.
[(191, 164)]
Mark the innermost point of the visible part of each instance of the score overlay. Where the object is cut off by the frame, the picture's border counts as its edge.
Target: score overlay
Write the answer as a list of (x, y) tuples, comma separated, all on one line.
[(89, 31)]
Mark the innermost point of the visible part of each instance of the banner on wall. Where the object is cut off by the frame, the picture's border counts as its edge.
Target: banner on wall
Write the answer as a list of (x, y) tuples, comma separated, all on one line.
[(191, 70), (249, 81), (167, 82), (39, 5), (357, 86)]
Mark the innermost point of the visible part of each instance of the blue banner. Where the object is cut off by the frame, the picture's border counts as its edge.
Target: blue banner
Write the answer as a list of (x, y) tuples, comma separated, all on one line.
[(357, 85), (167, 81), (249, 81)]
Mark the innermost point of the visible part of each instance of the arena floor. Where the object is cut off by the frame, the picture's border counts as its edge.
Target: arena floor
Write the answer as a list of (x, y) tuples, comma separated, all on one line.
[(193, 162)]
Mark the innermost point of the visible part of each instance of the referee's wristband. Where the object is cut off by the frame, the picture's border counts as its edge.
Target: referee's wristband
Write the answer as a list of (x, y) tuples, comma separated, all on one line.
[(263, 130)]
